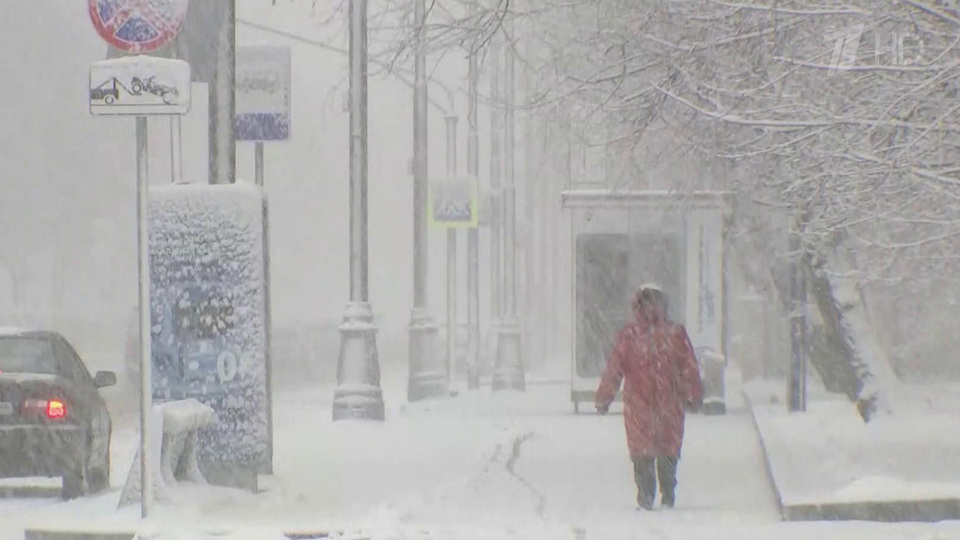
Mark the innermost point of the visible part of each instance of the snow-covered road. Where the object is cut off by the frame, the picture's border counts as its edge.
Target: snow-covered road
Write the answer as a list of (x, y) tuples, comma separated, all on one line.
[(481, 466)]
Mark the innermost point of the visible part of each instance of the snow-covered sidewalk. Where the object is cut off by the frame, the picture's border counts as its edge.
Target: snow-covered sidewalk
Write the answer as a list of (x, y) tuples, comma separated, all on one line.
[(829, 458), (477, 466)]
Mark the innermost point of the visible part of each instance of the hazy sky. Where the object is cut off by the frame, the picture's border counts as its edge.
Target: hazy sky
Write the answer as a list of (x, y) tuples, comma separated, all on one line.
[(76, 173)]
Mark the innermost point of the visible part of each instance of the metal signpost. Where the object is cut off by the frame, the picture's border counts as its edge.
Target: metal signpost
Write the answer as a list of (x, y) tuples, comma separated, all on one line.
[(473, 235), (141, 86), (453, 204), (451, 256), (263, 114)]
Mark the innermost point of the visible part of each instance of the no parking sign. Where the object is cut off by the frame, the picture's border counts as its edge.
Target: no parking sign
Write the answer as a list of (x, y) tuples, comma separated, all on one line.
[(138, 26)]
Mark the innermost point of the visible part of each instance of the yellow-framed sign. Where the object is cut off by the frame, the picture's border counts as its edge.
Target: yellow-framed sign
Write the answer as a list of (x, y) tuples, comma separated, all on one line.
[(454, 203)]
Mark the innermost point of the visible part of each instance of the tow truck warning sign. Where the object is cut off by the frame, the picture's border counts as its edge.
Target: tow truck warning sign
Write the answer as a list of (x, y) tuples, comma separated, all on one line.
[(140, 85)]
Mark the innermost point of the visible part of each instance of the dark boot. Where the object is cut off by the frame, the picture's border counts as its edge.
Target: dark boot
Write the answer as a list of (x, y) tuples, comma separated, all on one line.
[(645, 475), (667, 474)]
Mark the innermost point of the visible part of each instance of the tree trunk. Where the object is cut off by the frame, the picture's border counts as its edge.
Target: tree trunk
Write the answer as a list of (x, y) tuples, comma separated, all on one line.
[(862, 369)]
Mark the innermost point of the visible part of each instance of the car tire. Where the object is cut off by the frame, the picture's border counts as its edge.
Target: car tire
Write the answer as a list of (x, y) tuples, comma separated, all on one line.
[(73, 485), (98, 478), (91, 478)]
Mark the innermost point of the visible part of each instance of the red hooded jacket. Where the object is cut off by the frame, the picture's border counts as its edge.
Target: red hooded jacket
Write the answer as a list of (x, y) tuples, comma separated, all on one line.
[(657, 360)]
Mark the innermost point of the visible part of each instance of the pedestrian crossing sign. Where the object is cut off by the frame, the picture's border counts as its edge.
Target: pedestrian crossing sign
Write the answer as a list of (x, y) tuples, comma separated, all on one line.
[(453, 203)]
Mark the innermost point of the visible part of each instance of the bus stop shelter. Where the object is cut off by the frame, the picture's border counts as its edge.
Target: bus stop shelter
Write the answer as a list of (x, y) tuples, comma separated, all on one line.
[(623, 239)]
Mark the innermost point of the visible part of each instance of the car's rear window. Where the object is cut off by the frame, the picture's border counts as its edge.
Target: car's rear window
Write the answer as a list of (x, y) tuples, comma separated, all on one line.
[(27, 355)]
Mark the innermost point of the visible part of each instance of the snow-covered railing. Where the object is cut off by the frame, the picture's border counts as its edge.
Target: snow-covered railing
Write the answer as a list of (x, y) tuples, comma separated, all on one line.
[(178, 431)]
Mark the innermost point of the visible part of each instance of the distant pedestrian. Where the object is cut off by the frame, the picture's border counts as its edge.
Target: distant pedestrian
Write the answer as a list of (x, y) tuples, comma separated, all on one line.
[(655, 357)]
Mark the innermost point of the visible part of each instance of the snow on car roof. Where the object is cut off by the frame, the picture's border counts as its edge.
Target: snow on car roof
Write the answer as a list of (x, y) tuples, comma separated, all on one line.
[(14, 331)]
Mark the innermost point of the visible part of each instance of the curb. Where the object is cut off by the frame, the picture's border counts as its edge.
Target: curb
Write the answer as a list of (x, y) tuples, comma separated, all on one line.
[(40, 534), (36, 534), (766, 458)]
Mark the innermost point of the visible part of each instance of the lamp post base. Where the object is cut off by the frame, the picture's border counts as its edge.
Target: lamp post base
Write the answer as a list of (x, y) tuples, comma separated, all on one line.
[(508, 371), (358, 394), (428, 376)]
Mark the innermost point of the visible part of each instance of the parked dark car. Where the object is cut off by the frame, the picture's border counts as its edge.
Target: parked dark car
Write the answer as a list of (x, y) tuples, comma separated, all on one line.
[(53, 421)]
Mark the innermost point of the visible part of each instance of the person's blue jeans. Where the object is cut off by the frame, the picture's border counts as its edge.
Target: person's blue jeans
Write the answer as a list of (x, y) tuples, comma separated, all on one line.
[(647, 470)]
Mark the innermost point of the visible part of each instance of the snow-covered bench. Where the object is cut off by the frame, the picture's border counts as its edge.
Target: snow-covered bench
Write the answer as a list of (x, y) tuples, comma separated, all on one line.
[(176, 426)]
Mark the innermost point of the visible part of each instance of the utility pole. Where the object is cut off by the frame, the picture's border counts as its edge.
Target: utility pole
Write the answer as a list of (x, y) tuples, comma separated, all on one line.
[(473, 234), (533, 289), (797, 387), (544, 261), (508, 371), (358, 394), (223, 157), (451, 254), (427, 377), (496, 127)]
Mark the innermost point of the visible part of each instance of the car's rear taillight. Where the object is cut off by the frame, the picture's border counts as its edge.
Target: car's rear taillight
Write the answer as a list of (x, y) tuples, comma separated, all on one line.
[(56, 409), (51, 408)]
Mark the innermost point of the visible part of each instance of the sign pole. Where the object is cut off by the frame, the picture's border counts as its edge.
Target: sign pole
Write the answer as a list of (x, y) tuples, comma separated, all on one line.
[(176, 149), (143, 262), (258, 163), (473, 235), (258, 179), (451, 254)]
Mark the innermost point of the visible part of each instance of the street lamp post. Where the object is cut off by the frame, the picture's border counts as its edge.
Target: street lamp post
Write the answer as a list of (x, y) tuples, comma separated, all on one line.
[(496, 127), (427, 376), (358, 393), (508, 371), (473, 234)]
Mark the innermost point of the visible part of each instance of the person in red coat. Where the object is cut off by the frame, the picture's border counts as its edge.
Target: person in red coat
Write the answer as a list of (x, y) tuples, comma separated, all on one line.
[(655, 357)]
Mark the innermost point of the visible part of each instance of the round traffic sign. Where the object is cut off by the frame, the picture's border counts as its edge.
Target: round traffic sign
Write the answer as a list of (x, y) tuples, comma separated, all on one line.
[(138, 26)]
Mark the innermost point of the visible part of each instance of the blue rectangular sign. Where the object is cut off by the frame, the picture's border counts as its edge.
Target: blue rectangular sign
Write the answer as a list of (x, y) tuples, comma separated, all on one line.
[(262, 94)]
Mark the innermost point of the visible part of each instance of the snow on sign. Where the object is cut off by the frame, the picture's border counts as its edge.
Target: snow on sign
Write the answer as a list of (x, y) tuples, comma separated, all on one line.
[(140, 85), (137, 26), (454, 203), (208, 315), (263, 94)]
